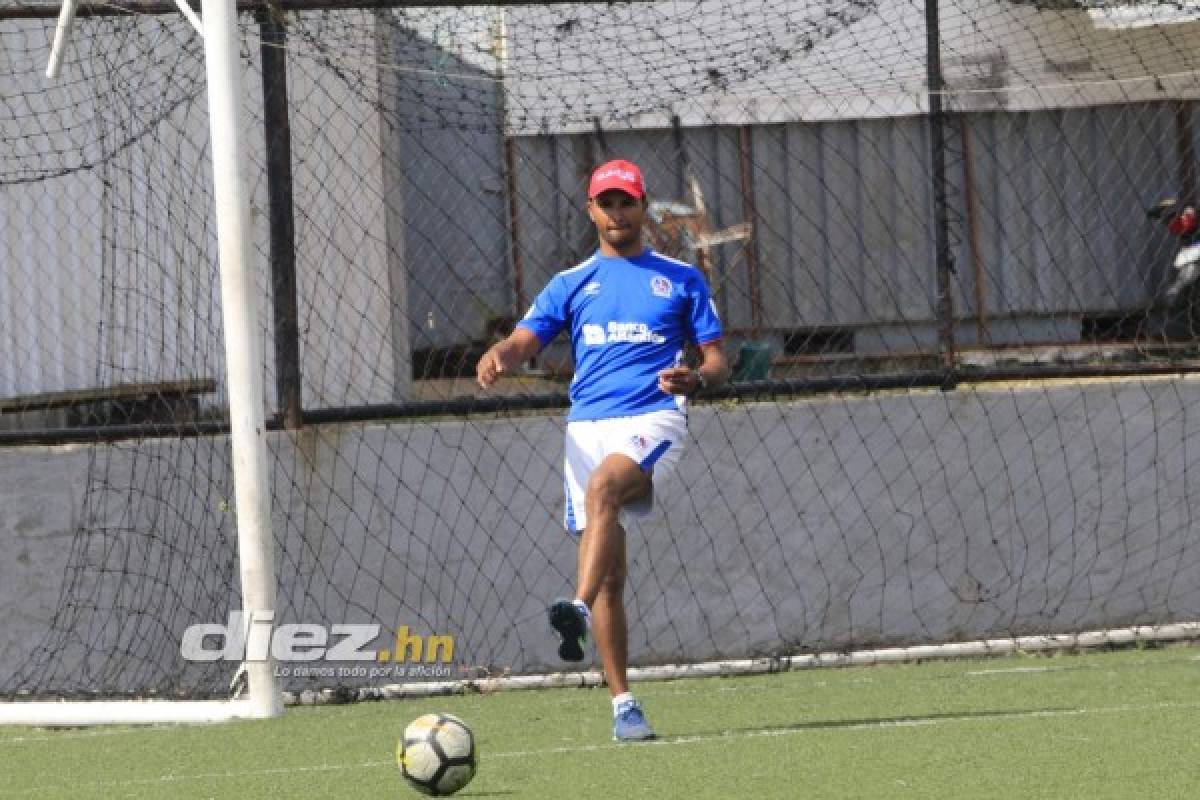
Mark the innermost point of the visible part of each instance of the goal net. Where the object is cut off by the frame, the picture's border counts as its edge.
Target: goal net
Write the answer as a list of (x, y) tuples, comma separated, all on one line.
[(948, 242)]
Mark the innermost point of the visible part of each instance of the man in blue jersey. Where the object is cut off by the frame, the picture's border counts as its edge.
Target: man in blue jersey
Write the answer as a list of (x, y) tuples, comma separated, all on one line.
[(630, 312)]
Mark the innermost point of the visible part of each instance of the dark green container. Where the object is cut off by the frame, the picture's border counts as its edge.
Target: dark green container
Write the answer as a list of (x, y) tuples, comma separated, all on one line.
[(754, 361)]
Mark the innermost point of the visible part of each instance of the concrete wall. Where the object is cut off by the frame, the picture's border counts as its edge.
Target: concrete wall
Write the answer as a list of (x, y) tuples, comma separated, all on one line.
[(835, 522)]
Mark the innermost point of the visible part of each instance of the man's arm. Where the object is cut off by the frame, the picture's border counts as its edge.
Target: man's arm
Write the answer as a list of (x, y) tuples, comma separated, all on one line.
[(714, 369), (712, 373), (520, 346)]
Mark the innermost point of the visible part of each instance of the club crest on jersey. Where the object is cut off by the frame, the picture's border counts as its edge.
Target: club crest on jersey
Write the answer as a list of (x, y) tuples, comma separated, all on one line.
[(660, 286)]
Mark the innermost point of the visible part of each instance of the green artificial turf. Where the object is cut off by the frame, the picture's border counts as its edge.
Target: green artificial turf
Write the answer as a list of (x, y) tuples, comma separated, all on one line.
[(1102, 725)]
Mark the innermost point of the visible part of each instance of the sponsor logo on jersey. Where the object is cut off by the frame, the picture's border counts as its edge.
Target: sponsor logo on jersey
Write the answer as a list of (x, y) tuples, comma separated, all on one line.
[(614, 332), (660, 286)]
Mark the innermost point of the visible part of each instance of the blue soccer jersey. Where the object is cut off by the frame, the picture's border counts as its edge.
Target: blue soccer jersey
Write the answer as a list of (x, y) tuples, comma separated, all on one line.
[(629, 319)]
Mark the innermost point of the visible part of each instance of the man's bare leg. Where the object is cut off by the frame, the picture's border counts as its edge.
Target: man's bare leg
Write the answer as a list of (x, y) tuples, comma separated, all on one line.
[(608, 618), (601, 582)]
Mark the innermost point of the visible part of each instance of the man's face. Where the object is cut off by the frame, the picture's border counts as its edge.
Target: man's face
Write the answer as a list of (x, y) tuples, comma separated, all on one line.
[(618, 217)]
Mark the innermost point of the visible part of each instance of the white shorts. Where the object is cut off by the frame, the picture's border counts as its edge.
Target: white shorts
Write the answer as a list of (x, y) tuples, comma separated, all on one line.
[(655, 441)]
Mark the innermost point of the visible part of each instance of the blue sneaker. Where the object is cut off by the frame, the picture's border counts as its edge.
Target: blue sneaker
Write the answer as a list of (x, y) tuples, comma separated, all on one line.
[(630, 724), (571, 624)]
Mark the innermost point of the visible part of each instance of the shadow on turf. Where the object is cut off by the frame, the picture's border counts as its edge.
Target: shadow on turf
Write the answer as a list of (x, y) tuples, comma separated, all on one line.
[(868, 722)]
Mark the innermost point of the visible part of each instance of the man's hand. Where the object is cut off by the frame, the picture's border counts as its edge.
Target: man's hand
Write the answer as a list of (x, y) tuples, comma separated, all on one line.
[(520, 346), (689, 380), (489, 368), (680, 380)]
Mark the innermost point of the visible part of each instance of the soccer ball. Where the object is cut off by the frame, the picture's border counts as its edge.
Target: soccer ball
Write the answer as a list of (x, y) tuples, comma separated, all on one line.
[(437, 754)]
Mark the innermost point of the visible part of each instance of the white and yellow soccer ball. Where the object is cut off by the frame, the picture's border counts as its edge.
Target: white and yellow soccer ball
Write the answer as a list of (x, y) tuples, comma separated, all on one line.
[(437, 754)]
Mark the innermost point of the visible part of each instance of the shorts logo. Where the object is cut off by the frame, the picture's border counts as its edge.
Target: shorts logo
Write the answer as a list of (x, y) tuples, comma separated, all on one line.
[(660, 286), (639, 441)]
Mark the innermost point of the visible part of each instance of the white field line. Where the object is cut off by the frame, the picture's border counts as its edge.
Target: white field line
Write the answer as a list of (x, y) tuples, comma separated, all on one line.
[(859, 725), (59, 736), (977, 673), (990, 718)]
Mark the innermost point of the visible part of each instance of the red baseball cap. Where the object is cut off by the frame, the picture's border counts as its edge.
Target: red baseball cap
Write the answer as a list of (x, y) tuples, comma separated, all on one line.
[(618, 174)]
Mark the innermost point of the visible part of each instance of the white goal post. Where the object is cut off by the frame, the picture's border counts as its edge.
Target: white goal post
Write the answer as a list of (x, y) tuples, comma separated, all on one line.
[(262, 696)]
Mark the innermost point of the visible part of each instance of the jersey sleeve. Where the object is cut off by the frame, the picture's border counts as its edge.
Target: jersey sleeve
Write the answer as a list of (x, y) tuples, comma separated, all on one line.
[(548, 314), (705, 324)]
